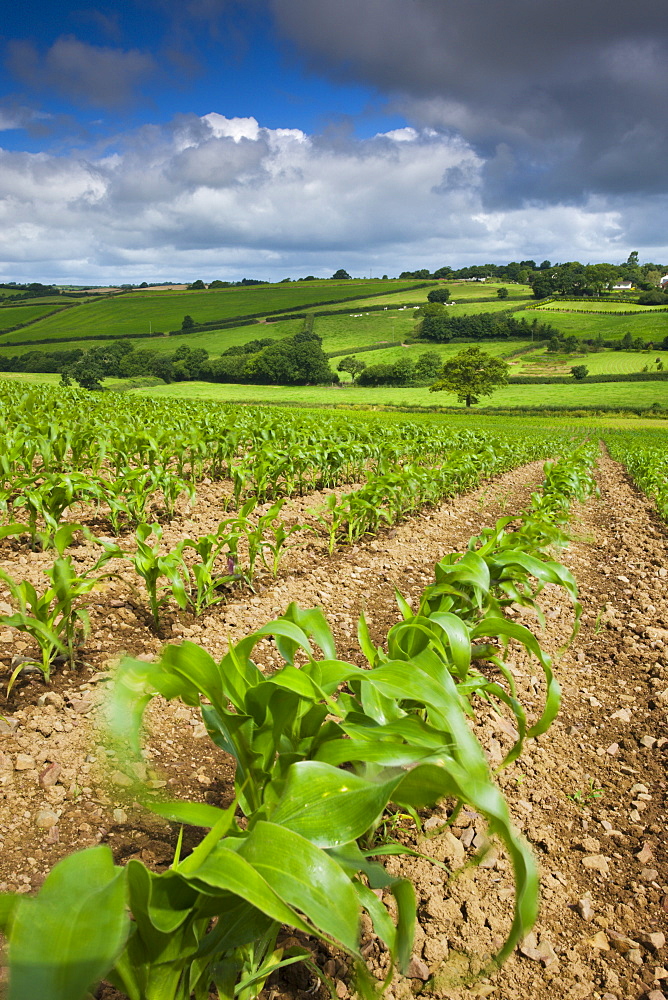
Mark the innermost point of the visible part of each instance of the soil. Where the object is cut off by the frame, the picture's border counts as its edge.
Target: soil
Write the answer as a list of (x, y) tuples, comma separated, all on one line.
[(590, 795)]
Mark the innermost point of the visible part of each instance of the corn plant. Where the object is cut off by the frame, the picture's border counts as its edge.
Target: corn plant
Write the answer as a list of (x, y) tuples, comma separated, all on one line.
[(205, 586), (291, 732), (54, 618), (47, 501), (153, 567), (38, 616), (277, 543)]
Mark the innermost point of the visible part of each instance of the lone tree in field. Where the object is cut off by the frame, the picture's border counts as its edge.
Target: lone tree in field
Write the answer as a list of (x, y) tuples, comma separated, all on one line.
[(351, 365), (471, 374)]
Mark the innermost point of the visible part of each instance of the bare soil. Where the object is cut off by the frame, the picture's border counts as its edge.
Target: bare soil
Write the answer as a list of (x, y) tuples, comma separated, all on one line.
[(591, 795)]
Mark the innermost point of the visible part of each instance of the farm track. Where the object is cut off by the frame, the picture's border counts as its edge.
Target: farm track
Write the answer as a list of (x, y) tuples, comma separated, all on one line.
[(603, 853)]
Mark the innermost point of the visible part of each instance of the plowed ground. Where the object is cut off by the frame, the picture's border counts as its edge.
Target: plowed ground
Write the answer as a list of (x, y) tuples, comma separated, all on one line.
[(591, 795)]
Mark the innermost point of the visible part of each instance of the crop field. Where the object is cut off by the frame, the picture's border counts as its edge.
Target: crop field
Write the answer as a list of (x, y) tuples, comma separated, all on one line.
[(543, 362), (274, 678), (650, 326), (598, 306)]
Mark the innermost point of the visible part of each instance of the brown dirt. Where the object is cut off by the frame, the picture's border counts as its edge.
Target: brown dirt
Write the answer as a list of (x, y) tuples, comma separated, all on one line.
[(590, 795)]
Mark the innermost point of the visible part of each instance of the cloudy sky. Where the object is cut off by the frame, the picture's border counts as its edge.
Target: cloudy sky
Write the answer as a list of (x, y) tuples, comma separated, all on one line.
[(157, 140)]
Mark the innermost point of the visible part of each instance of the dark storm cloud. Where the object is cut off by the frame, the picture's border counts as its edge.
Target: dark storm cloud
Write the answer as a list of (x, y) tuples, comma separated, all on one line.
[(563, 99), (86, 74)]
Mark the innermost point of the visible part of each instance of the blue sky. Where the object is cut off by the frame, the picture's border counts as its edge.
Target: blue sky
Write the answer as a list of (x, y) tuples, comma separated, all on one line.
[(234, 64), (155, 140)]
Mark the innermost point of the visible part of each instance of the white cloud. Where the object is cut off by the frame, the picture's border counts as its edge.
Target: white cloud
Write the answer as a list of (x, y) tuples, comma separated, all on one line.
[(217, 197)]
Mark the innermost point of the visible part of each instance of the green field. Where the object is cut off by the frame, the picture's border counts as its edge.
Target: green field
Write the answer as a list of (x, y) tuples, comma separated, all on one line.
[(164, 311), (597, 306), (622, 394), (388, 355), (355, 328), (650, 326), (12, 315), (544, 362)]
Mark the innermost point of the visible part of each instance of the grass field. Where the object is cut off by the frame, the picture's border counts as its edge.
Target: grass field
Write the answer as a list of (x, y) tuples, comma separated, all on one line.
[(543, 362), (623, 394), (635, 394), (12, 315), (650, 326), (388, 355), (356, 327), (597, 306), (164, 311)]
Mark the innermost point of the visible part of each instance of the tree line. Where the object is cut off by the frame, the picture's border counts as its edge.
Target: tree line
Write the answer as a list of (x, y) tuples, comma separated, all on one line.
[(546, 278), (296, 360)]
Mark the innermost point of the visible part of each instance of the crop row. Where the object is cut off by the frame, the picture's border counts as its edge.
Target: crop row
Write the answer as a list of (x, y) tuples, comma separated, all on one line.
[(645, 455), (51, 431), (322, 749)]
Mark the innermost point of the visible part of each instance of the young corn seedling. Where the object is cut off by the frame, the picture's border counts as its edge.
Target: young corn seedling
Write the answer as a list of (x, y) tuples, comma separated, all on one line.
[(153, 567), (209, 583), (47, 502), (277, 544), (127, 497), (54, 619), (39, 619)]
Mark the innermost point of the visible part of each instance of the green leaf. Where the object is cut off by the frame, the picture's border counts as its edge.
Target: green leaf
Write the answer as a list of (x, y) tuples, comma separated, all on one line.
[(306, 878), (191, 813), (328, 806), (66, 938)]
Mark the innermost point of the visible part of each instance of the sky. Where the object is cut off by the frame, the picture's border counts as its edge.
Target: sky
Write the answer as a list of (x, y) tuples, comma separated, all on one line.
[(155, 140)]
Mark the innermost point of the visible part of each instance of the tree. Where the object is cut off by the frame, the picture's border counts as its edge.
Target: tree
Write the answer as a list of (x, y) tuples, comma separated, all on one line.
[(502, 293), (197, 286), (351, 365), (295, 360), (188, 324), (542, 287), (470, 374), (87, 373), (439, 295), (340, 274), (428, 365), (579, 372), (653, 298)]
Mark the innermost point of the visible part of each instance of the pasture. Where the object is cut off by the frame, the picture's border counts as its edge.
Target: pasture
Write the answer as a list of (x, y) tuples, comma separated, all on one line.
[(622, 394)]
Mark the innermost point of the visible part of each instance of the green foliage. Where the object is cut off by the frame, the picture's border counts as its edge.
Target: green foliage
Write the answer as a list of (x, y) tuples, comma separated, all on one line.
[(439, 295), (471, 374), (502, 293), (351, 365), (55, 618), (579, 372), (645, 455), (322, 746)]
